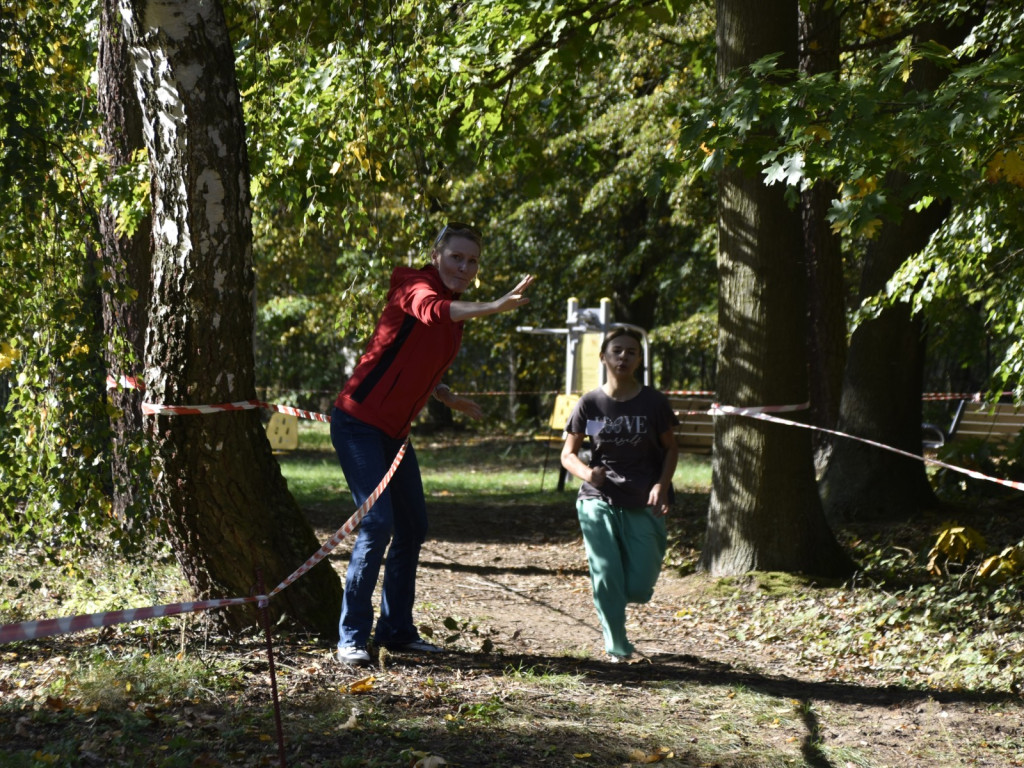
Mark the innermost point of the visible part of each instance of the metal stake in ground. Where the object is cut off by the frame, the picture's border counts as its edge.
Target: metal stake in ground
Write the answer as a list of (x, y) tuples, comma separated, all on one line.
[(265, 618)]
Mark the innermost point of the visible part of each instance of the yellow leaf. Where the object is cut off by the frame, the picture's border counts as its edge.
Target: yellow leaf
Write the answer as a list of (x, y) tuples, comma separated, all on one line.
[(866, 185), (8, 355), (868, 229), (265, 737), (819, 132), (990, 567), (581, 755), (1006, 165), (641, 756), (363, 685)]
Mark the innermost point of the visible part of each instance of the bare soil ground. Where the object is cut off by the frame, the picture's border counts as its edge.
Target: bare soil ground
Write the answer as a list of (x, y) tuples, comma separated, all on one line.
[(521, 575)]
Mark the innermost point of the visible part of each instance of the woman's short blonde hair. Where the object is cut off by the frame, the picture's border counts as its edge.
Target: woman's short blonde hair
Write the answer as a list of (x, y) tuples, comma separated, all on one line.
[(455, 229)]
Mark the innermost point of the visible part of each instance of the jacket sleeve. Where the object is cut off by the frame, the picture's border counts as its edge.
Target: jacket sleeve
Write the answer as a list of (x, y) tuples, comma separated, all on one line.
[(421, 300)]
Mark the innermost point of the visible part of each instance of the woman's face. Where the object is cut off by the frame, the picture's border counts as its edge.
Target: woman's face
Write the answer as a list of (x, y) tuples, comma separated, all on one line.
[(621, 356), (458, 261)]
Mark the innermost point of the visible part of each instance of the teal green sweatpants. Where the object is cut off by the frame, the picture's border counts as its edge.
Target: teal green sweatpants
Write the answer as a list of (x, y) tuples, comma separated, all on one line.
[(625, 547)]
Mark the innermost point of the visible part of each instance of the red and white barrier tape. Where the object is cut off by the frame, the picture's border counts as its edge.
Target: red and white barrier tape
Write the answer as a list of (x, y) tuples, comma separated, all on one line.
[(154, 409), (34, 630), (125, 382), (974, 397), (133, 382), (30, 630), (718, 408), (348, 526), (759, 413)]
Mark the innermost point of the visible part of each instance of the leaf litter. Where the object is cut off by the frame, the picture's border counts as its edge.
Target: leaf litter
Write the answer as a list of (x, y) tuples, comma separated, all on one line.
[(753, 672)]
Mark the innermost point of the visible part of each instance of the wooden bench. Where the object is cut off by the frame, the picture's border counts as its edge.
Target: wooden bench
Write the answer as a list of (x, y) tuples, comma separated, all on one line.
[(997, 423), (695, 432)]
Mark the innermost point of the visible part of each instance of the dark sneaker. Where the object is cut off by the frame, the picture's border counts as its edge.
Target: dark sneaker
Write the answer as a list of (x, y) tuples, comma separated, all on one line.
[(416, 646), (353, 654)]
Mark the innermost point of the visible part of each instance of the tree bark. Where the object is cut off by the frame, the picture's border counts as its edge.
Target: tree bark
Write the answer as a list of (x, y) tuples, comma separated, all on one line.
[(882, 384), (765, 513), (218, 486), (882, 393), (819, 53), (126, 259)]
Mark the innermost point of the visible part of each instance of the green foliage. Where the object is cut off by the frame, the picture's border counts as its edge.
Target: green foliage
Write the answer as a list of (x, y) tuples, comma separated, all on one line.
[(54, 434), (301, 361), (943, 120), (364, 142), (51, 427), (990, 458), (686, 352)]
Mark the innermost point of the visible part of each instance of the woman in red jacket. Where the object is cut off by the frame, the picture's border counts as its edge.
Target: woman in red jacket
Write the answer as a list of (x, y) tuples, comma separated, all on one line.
[(416, 340)]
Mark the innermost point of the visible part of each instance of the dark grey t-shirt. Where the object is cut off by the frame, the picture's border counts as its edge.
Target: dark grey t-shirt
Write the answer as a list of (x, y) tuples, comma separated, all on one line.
[(625, 439)]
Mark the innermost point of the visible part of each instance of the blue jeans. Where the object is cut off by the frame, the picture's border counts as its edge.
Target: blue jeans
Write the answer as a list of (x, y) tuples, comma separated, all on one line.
[(399, 517)]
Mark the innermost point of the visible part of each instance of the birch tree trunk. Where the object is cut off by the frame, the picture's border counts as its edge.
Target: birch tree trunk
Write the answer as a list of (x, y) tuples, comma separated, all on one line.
[(765, 513), (217, 484), (126, 259)]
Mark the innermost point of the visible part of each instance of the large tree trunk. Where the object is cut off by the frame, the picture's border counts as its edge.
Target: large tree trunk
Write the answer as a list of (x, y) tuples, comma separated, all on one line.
[(881, 398), (765, 513), (882, 394), (218, 485), (126, 258), (819, 53)]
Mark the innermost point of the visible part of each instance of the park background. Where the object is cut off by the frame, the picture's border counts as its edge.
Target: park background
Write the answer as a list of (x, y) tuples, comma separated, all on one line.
[(802, 202)]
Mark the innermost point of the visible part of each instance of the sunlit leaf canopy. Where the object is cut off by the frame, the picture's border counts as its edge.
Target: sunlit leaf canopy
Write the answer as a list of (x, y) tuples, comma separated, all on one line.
[(51, 388), (547, 125), (582, 138), (959, 141)]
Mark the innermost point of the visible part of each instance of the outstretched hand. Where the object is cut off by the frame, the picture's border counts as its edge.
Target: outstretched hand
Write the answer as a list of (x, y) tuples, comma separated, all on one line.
[(515, 298)]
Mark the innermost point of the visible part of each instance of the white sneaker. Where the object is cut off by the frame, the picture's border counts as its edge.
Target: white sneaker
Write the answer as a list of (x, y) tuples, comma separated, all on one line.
[(615, 658), (353, 654)]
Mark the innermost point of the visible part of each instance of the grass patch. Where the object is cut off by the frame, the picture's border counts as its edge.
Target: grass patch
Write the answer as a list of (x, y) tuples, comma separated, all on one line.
[(474, 469)]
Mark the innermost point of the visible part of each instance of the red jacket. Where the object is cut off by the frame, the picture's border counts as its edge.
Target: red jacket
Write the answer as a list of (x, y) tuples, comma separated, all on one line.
[(414, 343)]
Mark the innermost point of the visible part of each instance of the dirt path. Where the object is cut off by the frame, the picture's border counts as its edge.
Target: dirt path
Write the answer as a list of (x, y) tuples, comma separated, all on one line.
[(515, 580)]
